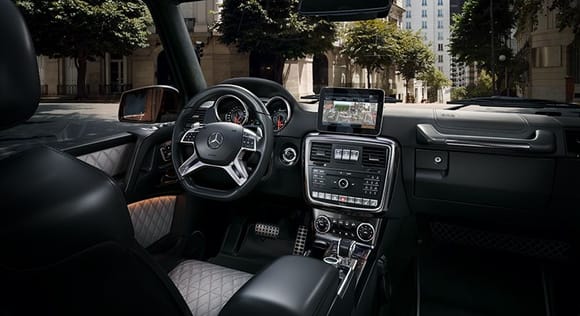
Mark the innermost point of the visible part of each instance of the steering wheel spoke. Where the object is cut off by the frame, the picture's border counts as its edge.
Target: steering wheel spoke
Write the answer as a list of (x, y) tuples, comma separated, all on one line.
[(190, 165), (250, 140), (237, 170), (189, 136)]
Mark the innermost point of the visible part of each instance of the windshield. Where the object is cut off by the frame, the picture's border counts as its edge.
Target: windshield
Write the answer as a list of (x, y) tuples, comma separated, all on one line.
[(425, 53)]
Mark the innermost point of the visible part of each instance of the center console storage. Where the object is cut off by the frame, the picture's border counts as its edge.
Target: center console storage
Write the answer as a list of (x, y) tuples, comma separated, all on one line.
[(291, 286)]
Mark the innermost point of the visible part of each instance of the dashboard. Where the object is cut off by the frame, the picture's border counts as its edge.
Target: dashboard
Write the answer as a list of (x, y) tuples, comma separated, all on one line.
[(500, 164)]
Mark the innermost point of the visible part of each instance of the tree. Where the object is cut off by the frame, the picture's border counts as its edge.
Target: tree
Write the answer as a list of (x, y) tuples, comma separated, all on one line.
[(274, 30), (568, 13), (435, 80), (471, 34), (372, 45), (414, 58), (82, 29)]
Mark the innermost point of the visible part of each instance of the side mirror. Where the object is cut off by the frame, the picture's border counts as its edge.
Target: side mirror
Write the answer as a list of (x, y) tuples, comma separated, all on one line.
[(153, 104)]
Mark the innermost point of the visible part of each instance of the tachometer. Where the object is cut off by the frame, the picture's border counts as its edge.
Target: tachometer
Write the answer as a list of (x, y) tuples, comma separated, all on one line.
[(229, 108), (280, 112)]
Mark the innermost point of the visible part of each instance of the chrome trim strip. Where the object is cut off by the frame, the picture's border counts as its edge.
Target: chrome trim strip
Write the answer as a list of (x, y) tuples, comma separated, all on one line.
[(359, 141), (347, 279)]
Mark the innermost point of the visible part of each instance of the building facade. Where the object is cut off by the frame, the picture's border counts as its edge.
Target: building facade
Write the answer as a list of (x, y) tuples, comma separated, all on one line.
[(553, 59), (432, 19), (110, 75)]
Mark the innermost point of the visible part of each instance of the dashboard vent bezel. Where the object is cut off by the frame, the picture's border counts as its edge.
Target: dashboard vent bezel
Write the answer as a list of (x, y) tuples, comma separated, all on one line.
[(316, 147), (374, 157)]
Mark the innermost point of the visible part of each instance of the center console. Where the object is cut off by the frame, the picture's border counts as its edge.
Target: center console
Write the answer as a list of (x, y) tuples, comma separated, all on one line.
[(348, 173)]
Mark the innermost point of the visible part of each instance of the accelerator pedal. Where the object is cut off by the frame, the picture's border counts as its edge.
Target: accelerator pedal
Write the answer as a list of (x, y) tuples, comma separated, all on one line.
[(300, 243)]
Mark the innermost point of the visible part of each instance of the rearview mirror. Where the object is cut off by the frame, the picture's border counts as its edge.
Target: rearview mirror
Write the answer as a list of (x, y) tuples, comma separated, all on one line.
[(345, 10), (153, 104)]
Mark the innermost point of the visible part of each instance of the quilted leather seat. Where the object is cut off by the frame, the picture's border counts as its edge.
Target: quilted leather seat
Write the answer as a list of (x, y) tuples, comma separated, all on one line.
[(205, 287)]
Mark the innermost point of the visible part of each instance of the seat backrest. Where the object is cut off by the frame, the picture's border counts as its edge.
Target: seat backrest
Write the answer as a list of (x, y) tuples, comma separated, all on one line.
[(66, 240), (19, 80), (67, 243)]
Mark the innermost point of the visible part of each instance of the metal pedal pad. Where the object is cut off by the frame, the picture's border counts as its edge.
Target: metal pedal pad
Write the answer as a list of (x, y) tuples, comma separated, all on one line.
[(300, 243), (267, 230)]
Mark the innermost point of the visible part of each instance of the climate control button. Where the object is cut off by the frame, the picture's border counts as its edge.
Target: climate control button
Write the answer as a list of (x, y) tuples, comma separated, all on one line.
[(322, 224), (365, 232)]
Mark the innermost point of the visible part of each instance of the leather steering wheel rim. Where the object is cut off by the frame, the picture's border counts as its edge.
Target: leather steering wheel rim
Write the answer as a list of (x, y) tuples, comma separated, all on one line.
[(205, 139)]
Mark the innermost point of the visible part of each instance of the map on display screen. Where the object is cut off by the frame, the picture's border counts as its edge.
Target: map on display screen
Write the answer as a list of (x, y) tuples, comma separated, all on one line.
[(350, 110)]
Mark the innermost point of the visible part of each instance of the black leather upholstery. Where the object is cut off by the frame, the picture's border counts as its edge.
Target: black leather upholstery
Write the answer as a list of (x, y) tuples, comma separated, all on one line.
[(54, 206), (67, 246), (19, 80), (291, 286)]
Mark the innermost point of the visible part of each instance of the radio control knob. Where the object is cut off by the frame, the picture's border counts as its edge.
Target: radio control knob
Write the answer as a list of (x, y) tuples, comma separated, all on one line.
[(343, 183)]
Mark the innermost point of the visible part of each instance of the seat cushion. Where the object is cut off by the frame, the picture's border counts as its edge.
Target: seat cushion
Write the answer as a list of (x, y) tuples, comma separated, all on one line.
[(207, 287)]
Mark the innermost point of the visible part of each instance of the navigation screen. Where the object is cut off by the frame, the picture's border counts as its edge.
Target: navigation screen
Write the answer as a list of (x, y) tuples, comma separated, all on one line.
[(356, 111)]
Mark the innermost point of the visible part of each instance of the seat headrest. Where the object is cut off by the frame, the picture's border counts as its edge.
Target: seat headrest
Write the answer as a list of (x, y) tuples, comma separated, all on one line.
[(19, 80), (53, 205)]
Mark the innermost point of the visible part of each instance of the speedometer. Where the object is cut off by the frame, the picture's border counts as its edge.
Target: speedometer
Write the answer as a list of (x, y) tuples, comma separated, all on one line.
[(280, 112), (236, 115), (229, 108)]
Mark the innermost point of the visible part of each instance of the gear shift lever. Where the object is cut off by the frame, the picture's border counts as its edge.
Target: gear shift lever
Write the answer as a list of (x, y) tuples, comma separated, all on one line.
[(345, 248)]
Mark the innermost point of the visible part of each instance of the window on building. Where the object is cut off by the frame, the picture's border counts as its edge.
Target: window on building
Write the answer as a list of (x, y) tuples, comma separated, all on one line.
[(425, 37), (424, 3), (439, 36), (439, 47), (424, 24), (439, 2), (408, 3), (423, 13), (440, 68), (440, 58), (439, 24), (408, 25), (547, 56), (440, 13), (408, 14)]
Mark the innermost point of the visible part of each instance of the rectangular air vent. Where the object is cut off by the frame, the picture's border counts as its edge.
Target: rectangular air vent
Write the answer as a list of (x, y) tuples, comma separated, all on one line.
[(374, 157), (320, 152), (573, 142)]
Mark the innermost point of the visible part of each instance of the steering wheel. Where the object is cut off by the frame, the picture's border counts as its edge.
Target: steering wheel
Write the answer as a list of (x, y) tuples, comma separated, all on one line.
[(221, 145)]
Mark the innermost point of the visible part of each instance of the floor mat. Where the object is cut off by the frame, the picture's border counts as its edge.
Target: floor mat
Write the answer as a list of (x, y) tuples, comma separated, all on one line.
[(243, 250), (459, 281)]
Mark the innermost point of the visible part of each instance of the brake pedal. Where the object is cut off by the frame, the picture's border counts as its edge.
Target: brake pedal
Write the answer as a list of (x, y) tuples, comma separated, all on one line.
[(267, 230), (300, 243)]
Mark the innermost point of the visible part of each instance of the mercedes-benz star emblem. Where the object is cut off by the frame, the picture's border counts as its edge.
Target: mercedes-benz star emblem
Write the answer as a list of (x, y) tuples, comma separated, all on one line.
[(215, 140)]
